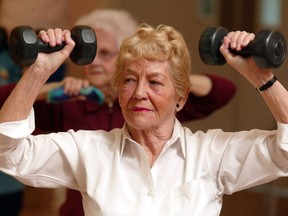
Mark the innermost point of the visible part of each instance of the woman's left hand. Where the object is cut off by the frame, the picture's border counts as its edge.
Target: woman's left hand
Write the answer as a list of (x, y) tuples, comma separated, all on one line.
[(244, 65)]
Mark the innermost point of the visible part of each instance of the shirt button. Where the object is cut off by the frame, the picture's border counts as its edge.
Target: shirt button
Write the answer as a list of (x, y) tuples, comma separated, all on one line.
[(150, 193)]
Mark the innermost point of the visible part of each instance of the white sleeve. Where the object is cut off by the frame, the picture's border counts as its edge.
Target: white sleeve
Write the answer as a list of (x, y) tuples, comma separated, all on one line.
[(18, 129), (252, 158), (282, 136)]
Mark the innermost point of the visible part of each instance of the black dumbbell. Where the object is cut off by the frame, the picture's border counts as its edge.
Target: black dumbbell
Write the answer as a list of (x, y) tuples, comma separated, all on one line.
[(24, 45), (3, 39), (268, 47)]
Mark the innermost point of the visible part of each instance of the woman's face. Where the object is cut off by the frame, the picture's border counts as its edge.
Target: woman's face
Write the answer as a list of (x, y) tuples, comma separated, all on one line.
[(101, 70), (147, 95)]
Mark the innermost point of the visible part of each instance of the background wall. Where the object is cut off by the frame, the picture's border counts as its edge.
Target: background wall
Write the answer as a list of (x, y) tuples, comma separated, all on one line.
[(246, 111)]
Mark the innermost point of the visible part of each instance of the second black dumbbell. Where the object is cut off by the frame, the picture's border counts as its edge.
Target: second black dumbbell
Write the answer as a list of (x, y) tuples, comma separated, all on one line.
[(3, 39), (268, 47), (24, 45)]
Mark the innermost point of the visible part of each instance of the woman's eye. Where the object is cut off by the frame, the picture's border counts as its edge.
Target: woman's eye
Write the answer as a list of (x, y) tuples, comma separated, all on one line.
[(154, 82), (128, 80)]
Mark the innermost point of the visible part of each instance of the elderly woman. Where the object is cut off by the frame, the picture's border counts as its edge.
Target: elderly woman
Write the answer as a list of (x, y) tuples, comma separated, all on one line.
[(153, 165)]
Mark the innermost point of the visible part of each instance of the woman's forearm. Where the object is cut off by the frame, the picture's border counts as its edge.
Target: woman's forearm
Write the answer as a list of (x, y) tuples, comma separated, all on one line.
[(19, 103)]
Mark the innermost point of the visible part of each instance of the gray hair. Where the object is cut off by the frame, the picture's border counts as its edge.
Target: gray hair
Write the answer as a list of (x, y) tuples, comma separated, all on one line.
[(117, 22)]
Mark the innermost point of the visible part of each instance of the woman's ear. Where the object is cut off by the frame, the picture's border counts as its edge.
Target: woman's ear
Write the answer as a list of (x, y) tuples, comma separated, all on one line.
[(181, 101)]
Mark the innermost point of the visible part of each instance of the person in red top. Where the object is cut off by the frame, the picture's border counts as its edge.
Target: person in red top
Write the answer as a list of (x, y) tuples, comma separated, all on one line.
[(208, 93)]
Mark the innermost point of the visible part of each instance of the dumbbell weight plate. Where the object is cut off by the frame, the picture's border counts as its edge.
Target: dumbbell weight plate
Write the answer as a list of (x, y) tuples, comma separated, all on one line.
[(3, 39), (209, 43), (269, 49), (23, 47), (83, 54)]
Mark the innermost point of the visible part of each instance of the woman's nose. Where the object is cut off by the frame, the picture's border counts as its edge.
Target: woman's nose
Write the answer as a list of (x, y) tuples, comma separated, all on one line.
[(96, 60), (140, 91)]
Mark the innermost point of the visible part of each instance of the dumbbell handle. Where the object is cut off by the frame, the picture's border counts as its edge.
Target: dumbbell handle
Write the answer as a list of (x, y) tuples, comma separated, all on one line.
[(87, 36), (46, 48), (273, 50), (249, 50), (245, 51)]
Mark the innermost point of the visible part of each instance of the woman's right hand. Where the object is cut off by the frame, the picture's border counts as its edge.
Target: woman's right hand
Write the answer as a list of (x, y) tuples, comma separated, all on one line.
[(73, 85), (47, 63)]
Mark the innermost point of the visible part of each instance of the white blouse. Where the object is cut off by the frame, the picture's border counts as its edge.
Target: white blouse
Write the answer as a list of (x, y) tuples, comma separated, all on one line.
[(113, 174)]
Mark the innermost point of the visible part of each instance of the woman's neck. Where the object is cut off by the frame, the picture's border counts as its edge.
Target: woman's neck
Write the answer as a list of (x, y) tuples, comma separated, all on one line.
[(152, 141)]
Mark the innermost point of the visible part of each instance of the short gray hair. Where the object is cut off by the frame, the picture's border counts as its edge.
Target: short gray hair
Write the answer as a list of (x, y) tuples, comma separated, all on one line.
[(117, 22)]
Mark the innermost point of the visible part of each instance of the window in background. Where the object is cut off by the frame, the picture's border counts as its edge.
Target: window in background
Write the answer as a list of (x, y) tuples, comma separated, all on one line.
[(270, 13), (207, 9)]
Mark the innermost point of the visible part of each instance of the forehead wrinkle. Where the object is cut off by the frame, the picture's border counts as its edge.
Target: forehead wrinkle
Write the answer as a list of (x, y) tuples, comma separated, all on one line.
[(153, 73)]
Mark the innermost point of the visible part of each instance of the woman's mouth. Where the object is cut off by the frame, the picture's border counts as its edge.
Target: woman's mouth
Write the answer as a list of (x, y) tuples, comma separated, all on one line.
[(139, 109)]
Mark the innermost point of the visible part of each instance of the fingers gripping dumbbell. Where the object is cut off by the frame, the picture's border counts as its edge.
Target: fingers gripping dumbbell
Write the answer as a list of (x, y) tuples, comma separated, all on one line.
[(268, 47), (91, 93), (24, 45)]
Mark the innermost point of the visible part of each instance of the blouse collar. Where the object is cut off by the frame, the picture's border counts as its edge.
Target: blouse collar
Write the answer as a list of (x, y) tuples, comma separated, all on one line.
[(178, 137)]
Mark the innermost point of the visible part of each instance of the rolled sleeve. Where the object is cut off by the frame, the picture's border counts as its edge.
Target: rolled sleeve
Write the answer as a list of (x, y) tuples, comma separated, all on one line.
[(18, 129), (282, 136)]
